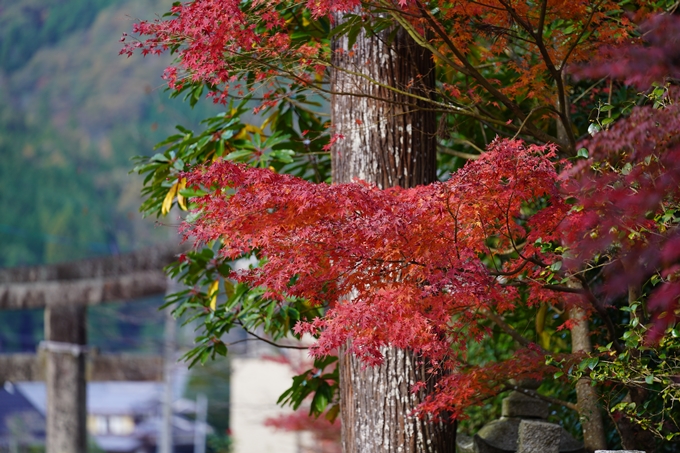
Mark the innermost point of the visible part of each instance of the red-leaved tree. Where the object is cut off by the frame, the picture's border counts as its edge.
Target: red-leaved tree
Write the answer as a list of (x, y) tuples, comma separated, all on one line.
[(564, 222)]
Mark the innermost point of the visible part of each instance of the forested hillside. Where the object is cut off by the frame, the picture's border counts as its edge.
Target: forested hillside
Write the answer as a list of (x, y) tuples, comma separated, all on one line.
[(26, 26), (72, 114)]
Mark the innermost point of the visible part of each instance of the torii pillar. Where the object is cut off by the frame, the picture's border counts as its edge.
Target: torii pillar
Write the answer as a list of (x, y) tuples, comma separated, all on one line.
[(65, 345)]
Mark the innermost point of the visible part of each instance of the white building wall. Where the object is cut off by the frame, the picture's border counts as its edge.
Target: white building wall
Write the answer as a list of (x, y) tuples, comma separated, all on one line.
[(256, 385)]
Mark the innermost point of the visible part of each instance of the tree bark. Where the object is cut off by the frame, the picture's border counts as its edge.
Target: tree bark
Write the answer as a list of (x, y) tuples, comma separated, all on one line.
[(587, 398), (388, 141)]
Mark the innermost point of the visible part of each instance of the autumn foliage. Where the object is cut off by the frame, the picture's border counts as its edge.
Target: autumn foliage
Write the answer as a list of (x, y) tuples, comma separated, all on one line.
[(411, 268), (627, 195), (231, 45), (579, 209)]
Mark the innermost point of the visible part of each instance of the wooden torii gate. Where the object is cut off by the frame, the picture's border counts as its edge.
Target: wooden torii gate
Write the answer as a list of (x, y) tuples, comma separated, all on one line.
[(64, 291)]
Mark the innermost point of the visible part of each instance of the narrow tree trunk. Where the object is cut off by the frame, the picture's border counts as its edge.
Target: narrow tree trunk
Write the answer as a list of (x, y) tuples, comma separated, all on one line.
[(633, 436), (587, 398), (388, 141)]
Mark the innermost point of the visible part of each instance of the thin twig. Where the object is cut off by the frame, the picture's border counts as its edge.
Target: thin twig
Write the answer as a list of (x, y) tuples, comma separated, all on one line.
[(509, 330), (283, 346), (537, 395)]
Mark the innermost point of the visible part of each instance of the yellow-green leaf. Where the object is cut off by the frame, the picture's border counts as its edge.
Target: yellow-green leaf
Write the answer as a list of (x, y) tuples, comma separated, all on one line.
[(167, 202), (212, 294), (181, 199)]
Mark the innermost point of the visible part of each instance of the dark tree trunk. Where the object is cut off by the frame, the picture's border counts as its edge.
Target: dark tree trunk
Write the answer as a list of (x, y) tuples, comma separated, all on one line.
[(389, 140)]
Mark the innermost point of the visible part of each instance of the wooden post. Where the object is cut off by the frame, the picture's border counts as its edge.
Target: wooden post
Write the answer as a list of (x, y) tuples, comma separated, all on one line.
[(65, 334)]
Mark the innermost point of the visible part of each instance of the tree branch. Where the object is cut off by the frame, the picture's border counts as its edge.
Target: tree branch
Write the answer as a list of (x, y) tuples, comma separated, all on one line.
[(537, 395), (282, 346), (509, 330)]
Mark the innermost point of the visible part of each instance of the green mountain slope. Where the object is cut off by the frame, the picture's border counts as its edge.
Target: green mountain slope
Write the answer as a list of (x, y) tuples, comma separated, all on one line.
[(26, 26), (72, 114), (71, 117)]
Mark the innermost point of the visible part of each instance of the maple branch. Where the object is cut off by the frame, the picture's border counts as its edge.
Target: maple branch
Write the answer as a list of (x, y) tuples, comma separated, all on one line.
[(535, 394), (534, 110), (505, 327), (512, 240), (488, 6), (589, 89), (443, 107), (461, 154), (541, 19), (536, 261), (510, 272), (282, 346), (590, 297), (555, 72), (581, 35), (470, 70), (563, 289), (455, 221), (525, 24)]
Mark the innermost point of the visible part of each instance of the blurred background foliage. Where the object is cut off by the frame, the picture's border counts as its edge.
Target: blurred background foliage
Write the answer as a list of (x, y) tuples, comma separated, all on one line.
[(72, 114)]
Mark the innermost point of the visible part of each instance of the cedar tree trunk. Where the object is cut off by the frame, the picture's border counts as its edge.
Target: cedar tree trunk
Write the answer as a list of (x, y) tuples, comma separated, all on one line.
[(389, 140)]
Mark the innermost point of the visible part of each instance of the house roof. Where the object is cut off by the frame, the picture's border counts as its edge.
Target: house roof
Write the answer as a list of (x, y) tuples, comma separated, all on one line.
[(104, 398), (35, 393), (14, 404)]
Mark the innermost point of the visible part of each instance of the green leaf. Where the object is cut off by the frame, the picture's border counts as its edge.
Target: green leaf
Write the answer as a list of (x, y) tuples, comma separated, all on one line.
[(321, 399), (158, 157), (192, 192), (283, 155), (333, 413), (590, 363), (236, 155), (353, 34), (183, 129), (221, 348)]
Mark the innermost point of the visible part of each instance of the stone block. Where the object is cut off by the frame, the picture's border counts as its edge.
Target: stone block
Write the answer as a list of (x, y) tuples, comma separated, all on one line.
[(538, 437), (523, 406)]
